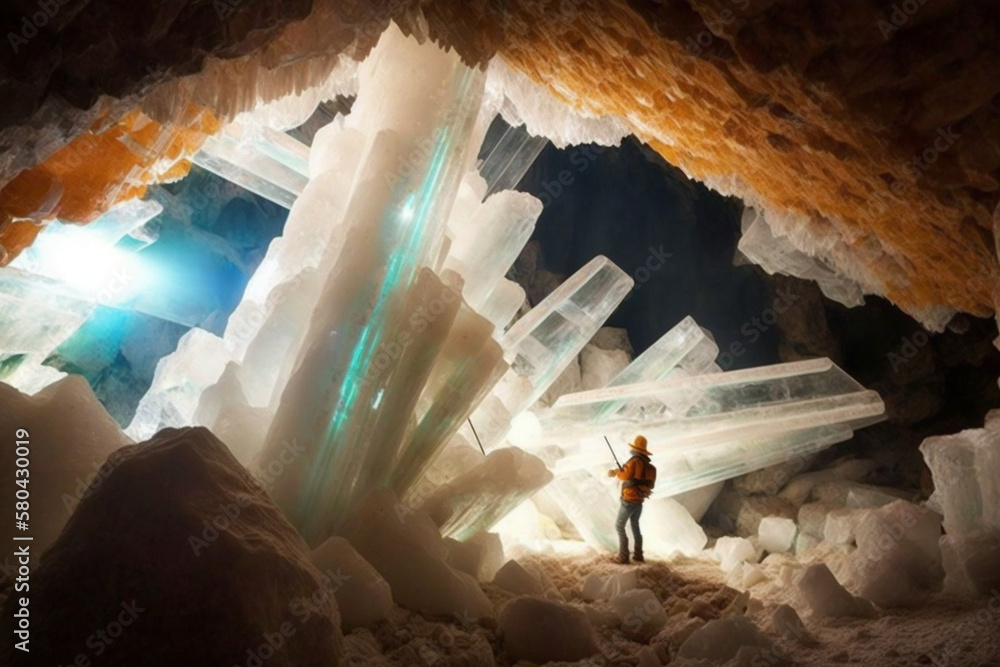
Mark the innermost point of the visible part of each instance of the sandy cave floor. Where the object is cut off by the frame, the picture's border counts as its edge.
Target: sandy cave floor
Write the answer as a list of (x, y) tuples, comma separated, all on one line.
[(934, 631)]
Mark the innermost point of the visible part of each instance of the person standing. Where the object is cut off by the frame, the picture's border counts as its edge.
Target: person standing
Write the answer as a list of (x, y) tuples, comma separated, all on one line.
[(638, 477)]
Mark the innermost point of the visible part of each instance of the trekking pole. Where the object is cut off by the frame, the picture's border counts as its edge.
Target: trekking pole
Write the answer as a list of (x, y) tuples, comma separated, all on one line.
[(612, 452), (477, 437)]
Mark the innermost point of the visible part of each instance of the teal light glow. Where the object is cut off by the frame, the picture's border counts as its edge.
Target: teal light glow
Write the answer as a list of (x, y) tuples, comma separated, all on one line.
[(407, 233)]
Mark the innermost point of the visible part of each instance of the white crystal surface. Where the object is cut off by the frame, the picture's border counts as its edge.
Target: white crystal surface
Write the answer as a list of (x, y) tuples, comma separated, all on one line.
[(776, 254), (374, 336), (966, 471)]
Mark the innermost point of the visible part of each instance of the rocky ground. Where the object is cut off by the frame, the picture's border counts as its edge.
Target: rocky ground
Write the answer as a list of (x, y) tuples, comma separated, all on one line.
[(177, 530), (693, 592)]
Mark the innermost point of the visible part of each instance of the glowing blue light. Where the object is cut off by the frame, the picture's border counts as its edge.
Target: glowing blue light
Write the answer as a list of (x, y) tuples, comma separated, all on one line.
[(87, 265)]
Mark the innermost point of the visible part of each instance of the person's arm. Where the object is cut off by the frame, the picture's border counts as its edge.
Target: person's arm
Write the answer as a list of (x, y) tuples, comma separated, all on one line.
[(625, 473)]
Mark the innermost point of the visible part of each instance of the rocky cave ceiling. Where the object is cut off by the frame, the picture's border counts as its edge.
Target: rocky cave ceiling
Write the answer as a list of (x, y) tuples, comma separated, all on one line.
[(869, 131)]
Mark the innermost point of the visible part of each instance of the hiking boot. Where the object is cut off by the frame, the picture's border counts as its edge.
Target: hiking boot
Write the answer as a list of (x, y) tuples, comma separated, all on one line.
[(618, 560), (638, 558)]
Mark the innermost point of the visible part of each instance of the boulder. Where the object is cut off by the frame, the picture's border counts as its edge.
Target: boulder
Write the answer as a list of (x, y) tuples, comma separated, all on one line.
[(405, 547), (602, 615), (731, 551), (741, 515), (800, 488), (844, 493), (69, 437), (480, 556), (812, 519), (697, 501), (862, 496), (613, 338), (971, 563), (178, 557), (543, 631), (777, 534), (641, 612), (668, 527), (786, 622), (598, 367), (515, 579), (841, 525), (363, 596), (596, 587), (772, 479), (898, 555), (826, 597), (804, 543), (491, 554), (721, 640), (966, 470)]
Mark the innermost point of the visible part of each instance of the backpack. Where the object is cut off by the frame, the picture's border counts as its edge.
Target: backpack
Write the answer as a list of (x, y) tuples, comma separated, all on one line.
[(645, 477)]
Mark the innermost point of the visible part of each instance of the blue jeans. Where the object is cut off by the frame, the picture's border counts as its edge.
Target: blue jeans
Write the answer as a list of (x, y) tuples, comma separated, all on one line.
[(629, 513)]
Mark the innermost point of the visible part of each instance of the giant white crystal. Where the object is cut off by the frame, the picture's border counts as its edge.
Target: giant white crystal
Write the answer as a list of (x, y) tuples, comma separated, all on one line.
[(339, 400), (966, 471)]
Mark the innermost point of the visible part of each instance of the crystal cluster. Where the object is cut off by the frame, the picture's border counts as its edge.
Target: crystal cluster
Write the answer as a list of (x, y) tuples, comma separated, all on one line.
[(375, 337), (703, 426), (370, 331), (966, 470)]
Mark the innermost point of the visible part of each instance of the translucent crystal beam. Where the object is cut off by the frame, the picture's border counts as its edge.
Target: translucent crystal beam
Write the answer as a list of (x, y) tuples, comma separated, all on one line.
[(397, 216), (543, 343), (479, 498), (260, 163), (470, 364), (694, 411), (509, 157), (684, 351)]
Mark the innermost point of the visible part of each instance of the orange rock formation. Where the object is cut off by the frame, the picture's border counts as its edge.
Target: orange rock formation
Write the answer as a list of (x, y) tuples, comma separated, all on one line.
[(873, 136)]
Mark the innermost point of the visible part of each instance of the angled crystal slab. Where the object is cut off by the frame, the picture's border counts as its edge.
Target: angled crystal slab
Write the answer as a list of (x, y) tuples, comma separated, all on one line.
[(477, 499), (716, 461), (687, 410), (402, 365), (502, 305), (540, 345), (470, 364), (686, 347), (113, 273), (586, 495), (509, 157), (265, 161), (543, 342), (125, 219), (723, 461), (37, 313), (250, 168), (280, 147), (684, 351)]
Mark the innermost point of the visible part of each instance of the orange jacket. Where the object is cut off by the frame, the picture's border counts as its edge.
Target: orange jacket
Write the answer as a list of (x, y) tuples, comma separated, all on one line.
[(637, 468)]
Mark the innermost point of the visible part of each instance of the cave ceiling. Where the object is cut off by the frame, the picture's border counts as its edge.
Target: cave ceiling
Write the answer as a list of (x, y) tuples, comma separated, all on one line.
[(869, 131)]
